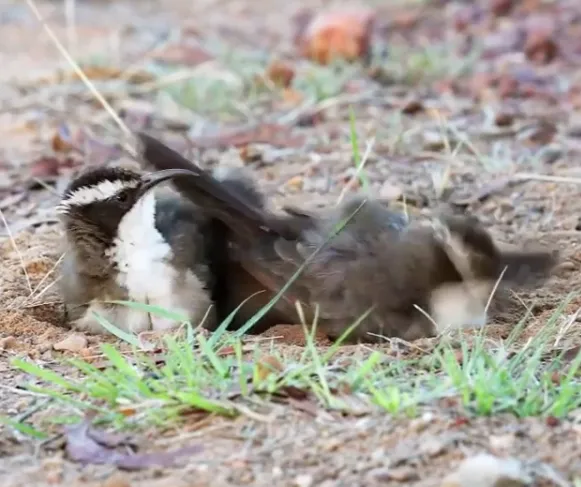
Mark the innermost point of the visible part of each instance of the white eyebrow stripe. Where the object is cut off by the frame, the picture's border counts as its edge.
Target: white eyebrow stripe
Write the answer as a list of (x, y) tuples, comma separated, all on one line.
[(100, 192)]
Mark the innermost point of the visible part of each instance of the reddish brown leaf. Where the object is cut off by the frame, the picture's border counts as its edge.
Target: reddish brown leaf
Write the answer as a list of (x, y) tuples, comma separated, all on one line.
[(339, 34), (541, 134), (571, 353), (412, 106), (294, 392), (503, 119), (88, 446), (48, 168), (552, 421), (460, 421), (280, 73), (184, 54), (501, 7), (229, 350), (45, 168), (540, 44)]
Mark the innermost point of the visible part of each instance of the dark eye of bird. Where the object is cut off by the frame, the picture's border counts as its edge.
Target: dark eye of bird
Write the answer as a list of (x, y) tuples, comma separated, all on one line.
[(122, 196)]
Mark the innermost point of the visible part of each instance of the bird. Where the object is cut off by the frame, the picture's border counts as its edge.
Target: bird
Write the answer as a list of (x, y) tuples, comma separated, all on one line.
[(379, 277), (122, 241)]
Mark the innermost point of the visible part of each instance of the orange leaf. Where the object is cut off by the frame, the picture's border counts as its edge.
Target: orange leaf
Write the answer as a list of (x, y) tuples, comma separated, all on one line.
[(268, 365), (337, 35), (127, 411)]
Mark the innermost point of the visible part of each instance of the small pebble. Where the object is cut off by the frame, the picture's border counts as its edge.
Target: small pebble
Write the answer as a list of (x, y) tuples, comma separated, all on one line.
[(486, 470), (73, 343), (304, 480), (8, 343)]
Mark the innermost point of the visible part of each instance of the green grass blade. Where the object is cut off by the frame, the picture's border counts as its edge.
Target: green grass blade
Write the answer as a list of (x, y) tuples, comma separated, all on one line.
[(118, 332)]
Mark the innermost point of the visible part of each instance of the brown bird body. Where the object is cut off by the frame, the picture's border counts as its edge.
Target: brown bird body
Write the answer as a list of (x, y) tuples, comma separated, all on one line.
[(412, 279)]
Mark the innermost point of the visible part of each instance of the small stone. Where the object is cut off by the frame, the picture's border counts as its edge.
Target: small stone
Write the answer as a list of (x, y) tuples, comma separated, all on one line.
[(390, 192), (8, 343), (503, 119), (380, 474), (433, 141), (402, 474), (304, 480), (432, 447), (73, 343), (502, 442), (486, 470), (295, 183)]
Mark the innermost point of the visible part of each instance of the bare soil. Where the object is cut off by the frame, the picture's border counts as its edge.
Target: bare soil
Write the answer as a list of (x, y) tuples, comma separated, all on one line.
[(286, 444)]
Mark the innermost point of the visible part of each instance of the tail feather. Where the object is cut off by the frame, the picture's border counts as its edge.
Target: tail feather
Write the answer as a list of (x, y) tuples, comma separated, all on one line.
[(528, 268)]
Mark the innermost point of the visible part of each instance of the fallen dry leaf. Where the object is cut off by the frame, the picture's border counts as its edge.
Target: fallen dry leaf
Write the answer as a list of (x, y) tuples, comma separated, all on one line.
[(572, 353), (268, 365), (280, 73), (293, 392), (412, 106), (295, 183), (89, 446), (552, 421), (539, 133), (540, 43), (503, 119), (501, 7), (338, 34), (48, 168), (62, 140), (73, 343)]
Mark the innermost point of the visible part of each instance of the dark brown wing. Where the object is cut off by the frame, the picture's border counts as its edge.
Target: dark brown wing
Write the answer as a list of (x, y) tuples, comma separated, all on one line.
[(254, 232), (350, 274), (204, 190)]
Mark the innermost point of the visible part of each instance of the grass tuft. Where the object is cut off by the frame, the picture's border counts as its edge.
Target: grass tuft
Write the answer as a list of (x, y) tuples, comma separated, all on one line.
[(196, 376)]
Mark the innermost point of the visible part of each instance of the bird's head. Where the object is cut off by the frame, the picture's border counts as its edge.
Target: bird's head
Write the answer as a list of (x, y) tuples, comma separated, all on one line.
[(97, 202)]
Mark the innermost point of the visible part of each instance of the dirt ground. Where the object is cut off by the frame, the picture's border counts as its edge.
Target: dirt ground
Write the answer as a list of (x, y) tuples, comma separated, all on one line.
[(517, 103)]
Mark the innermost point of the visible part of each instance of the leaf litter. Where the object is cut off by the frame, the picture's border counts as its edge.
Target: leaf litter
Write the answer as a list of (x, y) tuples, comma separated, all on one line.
[(86, 445)]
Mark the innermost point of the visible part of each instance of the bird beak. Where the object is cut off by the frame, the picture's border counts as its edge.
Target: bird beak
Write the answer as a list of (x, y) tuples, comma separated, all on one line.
[(153, 179)]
